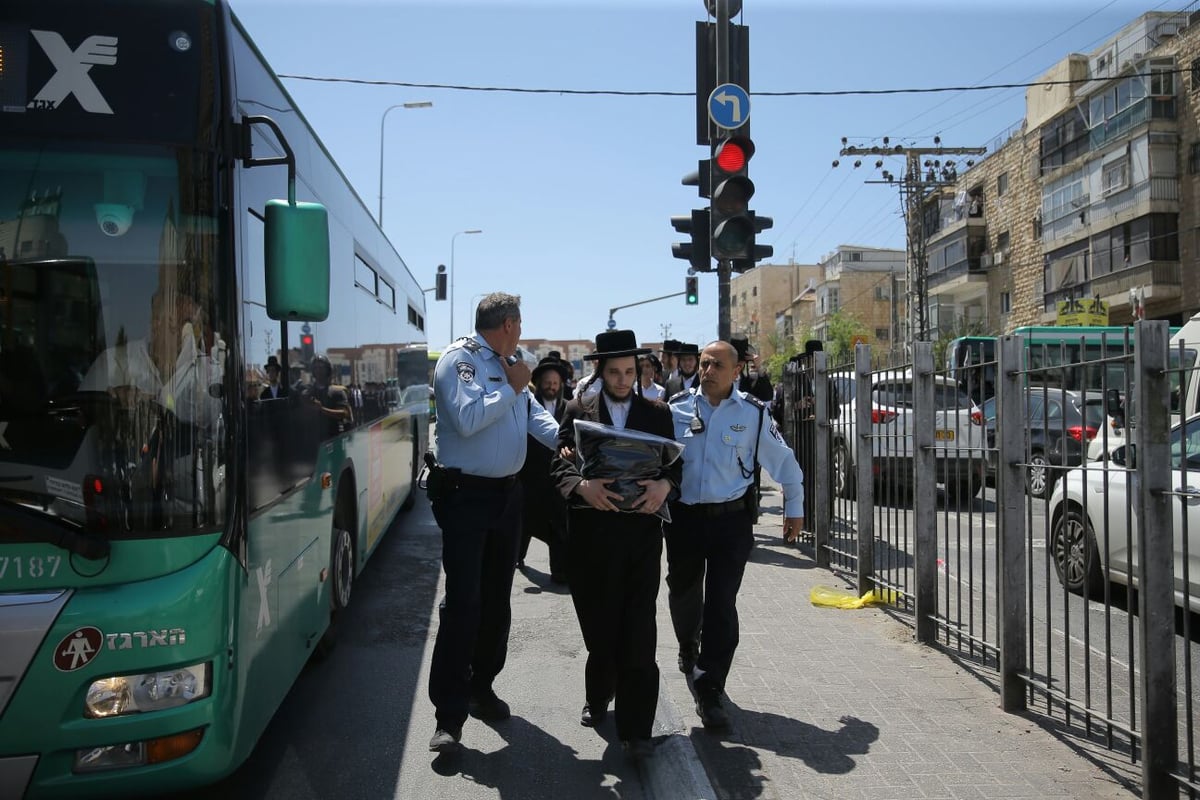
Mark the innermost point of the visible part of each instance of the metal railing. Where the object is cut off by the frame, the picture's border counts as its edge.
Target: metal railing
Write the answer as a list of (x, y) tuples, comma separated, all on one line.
[(1049, 592)]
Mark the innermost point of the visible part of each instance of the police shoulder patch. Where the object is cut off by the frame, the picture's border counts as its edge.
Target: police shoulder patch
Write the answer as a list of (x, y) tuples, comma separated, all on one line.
[(466, 371), (776, 434), (470, 345)]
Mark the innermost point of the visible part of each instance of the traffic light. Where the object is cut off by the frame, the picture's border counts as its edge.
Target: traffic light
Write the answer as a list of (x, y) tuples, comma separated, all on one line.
[(732, 221), (691, 290), (439, 286), (694, 252), (758, 251), (306, 348)]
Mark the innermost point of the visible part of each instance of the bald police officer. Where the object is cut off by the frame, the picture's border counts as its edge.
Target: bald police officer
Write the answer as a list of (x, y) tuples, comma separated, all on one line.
[(711, 534), (485, 413)]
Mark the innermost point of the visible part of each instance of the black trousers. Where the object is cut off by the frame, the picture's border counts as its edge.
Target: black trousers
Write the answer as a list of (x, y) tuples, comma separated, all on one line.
[(614, 563), (706, 559), (480, 534), (545, 517)]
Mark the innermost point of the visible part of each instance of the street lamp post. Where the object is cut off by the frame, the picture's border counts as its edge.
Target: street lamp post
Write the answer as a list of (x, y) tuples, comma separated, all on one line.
[(452, 238), (383, 119)]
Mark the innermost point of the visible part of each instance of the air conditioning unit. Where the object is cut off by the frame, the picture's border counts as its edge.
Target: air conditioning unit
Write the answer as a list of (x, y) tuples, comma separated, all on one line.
[(986, 260)]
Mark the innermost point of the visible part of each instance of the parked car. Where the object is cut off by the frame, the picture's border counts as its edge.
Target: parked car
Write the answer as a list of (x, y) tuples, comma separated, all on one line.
[(1060, 424), (958, 436), (1090, 497)]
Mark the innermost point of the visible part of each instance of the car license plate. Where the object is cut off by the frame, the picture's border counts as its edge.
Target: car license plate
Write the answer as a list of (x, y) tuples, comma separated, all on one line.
[(942, 435)]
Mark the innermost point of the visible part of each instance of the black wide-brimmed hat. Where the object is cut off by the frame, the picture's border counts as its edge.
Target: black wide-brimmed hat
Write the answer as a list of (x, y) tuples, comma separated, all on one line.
[(670, 346), (745, 350), (272, 363), (615, 344), (550, 362), (687, 349)]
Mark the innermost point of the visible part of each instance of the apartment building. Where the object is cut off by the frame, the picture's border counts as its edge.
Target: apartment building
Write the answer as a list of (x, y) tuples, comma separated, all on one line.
[(865, 284), (1093, 195), (760, 301)]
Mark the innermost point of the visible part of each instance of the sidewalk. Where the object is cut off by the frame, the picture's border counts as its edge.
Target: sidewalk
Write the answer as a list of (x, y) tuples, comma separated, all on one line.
[(824, 704)]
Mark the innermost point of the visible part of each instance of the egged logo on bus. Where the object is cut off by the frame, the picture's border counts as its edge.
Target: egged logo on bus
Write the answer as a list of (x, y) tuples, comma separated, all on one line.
[(71, 71)]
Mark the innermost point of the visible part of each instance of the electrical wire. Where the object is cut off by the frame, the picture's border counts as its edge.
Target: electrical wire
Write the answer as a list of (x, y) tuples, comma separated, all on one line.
[(658, 93)]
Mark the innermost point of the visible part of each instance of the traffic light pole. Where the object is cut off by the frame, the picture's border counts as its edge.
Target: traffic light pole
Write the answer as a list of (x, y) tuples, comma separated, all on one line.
[(615, 309), (724, 266)]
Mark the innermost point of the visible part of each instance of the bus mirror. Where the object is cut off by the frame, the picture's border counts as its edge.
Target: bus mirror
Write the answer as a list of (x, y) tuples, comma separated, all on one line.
[(297, 261)]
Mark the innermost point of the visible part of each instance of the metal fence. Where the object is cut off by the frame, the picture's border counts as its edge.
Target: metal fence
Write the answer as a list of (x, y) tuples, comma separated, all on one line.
[(1072, 581)]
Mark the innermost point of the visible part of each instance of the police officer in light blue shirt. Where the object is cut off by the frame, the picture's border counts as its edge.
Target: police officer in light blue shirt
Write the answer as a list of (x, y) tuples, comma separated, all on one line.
[(485, 413), (709, 540)]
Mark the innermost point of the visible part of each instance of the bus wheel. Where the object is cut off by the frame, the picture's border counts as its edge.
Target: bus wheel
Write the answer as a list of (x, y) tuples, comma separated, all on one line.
[(341, 582)]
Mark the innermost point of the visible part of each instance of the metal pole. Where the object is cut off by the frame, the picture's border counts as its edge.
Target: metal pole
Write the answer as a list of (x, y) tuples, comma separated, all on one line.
[(925, 471), (1010, 493), (382, 120), (1156, 582), (864, 479)]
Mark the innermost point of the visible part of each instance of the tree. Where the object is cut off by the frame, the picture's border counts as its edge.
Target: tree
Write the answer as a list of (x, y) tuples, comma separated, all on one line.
[(840, 332)]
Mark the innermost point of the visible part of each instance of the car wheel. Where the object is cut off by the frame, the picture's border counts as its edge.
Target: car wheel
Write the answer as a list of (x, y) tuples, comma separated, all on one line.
[(1037, 480), (843, 471), (964, 490), (1076, 558)]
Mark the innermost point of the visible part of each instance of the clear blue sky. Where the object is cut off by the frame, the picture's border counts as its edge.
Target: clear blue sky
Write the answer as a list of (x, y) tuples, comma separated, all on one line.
[(574, 193)]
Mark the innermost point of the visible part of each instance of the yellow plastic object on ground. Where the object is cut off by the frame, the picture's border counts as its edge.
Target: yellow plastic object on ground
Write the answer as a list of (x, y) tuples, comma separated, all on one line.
[(829, 597)]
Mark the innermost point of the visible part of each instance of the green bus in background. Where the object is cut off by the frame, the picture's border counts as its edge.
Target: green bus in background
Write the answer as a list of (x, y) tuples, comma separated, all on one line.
[(176, 538), (1055, 356)]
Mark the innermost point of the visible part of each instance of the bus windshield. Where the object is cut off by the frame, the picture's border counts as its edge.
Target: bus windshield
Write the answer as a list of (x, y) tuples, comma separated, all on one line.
[(112, 338)]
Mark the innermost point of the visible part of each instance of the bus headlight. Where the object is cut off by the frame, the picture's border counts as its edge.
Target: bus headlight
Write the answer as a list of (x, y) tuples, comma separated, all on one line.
[(148, 691)]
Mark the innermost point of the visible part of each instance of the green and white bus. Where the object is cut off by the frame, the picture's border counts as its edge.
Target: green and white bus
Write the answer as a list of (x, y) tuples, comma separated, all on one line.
[(174, 542), (1083, 359)]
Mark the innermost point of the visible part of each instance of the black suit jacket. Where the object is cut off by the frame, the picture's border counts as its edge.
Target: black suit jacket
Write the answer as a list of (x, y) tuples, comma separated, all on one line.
[(647, 416), (676, 385), (535, 473)]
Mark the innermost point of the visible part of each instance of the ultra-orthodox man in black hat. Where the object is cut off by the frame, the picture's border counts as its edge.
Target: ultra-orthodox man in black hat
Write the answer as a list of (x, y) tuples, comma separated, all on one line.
[(614, 556)]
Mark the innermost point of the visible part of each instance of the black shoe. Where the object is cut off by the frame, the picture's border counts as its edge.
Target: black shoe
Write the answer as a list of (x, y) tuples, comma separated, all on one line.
[(711, 712), (687, 659), (444, 741), (638, 749), (592, 715), (488, 707)]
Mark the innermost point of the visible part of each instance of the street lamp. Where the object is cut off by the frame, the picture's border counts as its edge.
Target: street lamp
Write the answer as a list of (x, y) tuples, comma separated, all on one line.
[(383, 119), (452, 238)]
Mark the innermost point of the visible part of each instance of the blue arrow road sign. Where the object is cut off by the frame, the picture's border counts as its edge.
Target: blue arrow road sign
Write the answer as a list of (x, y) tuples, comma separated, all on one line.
[(729, 106)]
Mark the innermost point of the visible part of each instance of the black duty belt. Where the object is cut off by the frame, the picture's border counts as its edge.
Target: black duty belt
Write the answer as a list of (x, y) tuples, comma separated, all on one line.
[(714, 509), (468, 481)]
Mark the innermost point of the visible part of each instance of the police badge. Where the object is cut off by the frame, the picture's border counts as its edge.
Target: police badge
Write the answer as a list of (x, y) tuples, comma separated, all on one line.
[(466, 371)]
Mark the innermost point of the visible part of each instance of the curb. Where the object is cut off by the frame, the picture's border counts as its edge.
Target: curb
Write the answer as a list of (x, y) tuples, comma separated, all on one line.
[(675, 772)]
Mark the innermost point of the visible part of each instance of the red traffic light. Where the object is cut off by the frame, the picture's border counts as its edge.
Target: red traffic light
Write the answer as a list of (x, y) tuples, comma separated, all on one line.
[(306, 340), (732, 155)]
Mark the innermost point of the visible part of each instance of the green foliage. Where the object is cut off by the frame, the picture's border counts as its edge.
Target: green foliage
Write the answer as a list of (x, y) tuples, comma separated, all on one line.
[(784, 348), (839, 338)]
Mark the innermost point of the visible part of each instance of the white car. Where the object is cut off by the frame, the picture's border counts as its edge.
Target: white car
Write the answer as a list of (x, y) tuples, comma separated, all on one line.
[(959, 440), (1099, 494)]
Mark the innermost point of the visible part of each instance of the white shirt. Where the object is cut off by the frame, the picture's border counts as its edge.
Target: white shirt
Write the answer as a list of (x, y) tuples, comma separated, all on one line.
[(653, 391), (549, 404), (618, 411)]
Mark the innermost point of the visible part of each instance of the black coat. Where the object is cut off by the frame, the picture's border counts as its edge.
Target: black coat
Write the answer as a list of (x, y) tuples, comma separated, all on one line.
[(675, 385), (647, 416)]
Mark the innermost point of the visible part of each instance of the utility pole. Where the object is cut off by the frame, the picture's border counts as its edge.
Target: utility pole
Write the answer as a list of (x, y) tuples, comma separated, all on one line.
[(924, 173)]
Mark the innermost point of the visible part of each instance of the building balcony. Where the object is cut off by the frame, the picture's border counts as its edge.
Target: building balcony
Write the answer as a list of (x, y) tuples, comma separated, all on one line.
[(1159, 280), (1143, 111), (959, 282)]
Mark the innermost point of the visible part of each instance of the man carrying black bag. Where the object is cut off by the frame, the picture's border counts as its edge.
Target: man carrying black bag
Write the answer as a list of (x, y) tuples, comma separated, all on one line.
[(613, 557)]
